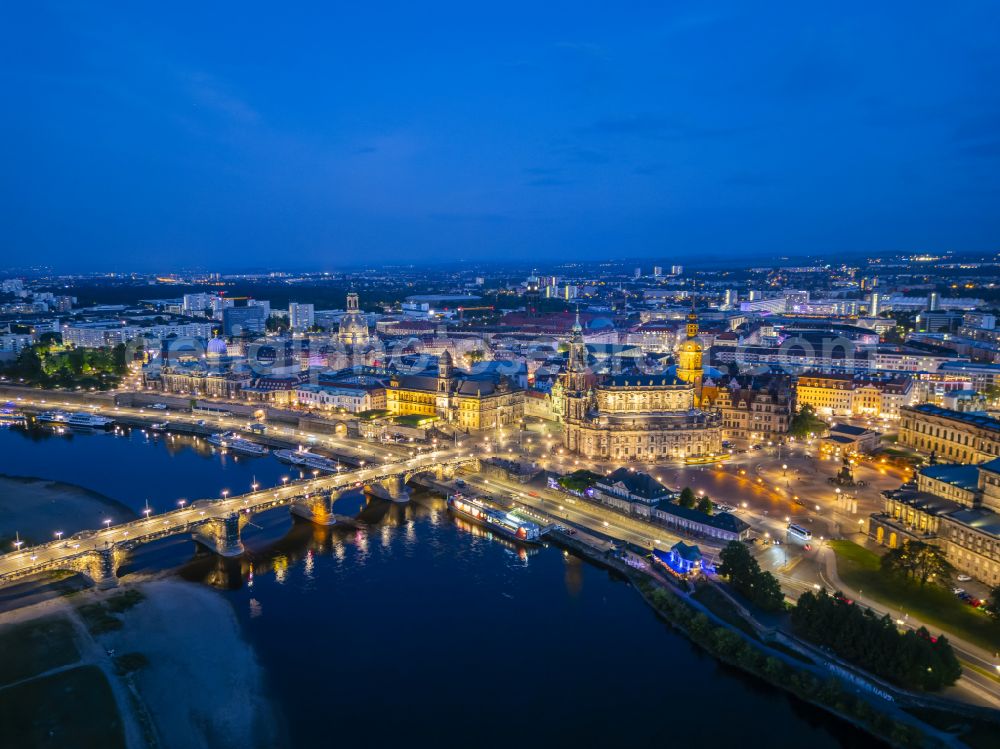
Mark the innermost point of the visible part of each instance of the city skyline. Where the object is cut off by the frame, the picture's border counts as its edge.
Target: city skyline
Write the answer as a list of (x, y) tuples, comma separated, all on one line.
[(333, 135)]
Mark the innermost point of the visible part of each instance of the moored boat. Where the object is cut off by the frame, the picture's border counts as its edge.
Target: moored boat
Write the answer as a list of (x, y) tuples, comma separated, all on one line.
[(232, 441), (83, 420), (302, 458), (504, 523)]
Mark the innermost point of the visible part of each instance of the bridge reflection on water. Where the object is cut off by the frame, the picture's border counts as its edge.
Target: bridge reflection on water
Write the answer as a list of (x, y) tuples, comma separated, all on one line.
[(281, 542)]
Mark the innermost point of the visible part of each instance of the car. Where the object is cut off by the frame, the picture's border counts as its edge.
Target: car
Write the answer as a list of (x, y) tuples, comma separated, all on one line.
[(459, 482), (159, 406), (808, 547), (974, 602), (963, 578), (958, 591)]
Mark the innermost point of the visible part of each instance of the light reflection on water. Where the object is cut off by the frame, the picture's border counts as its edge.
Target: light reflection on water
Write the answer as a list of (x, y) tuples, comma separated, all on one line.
[(435, 631)]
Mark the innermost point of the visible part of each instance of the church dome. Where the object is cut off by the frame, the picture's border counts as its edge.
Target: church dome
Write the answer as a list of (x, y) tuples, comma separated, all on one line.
[(354, 325), (353, 329), (217, 347)]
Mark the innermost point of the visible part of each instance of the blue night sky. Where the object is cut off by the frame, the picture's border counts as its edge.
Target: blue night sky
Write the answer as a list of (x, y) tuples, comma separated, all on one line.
[(237, 134)]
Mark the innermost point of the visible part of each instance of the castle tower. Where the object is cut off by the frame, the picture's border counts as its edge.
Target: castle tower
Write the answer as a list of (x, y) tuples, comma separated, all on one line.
[(442, 403)]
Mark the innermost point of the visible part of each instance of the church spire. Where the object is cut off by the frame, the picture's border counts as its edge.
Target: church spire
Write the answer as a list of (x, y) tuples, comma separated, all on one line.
[(692, 321)]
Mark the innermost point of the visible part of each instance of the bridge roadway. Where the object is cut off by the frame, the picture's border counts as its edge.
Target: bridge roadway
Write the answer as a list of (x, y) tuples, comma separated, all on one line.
[(84, 550)]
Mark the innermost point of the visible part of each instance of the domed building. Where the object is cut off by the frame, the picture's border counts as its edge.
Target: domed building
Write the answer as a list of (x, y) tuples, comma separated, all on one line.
[(217, 348), (353, 326)]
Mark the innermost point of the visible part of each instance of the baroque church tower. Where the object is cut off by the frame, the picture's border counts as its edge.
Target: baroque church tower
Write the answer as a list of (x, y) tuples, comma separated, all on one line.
[(689, 356)]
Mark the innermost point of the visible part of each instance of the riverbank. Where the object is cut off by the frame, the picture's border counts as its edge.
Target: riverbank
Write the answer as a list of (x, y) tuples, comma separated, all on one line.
[(201, 685), (180, 671), (35, 508)]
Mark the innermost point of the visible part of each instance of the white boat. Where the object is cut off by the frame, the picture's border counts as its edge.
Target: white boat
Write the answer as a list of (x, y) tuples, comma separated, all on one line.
[(232, 441), (10, 416), (83, 420), (53, 417), (302, 458)]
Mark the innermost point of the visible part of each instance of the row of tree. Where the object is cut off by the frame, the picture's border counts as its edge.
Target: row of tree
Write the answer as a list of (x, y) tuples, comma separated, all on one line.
[(758, 586), (912, 659)]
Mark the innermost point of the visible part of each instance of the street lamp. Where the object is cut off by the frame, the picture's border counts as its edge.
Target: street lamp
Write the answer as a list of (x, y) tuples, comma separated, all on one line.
[(59, 535), (182, 502), (225, 493), (107, 522)]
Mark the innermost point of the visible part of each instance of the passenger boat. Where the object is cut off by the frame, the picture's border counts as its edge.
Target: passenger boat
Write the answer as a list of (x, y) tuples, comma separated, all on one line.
[(53, 417), (505, 523), (10, 416), (232, 441), (83, 420), (302, 458)]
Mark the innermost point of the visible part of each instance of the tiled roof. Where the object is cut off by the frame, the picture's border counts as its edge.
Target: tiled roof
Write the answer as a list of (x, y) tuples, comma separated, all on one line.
[(638, 483)]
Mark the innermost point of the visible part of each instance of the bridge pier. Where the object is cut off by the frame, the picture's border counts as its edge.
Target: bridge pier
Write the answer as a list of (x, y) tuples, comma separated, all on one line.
[(102, 567), (391, 487), (317, 508), (222, 535)]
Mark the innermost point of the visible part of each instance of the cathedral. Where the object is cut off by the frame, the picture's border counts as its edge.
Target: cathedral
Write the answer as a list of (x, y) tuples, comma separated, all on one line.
[(639, 417)]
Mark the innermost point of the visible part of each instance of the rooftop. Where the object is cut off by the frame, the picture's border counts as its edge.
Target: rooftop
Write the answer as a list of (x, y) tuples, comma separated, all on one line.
[(638, 483), (963, 476), (984, 422)]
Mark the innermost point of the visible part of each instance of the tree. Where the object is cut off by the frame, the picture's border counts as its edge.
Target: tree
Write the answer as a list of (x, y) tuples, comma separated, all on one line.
[(744, 573), (687, 498), (705, 505), (737, 563), (276, 324), (914, 659), (993, 604), (805, 422), (919, 561)]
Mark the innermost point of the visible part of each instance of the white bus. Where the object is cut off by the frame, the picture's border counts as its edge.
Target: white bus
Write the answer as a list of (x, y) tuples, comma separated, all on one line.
[(797, 531)]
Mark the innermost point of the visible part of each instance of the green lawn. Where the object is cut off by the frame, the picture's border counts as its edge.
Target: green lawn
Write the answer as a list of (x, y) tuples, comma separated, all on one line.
[(74, 708), (859, 568), (34, 647)]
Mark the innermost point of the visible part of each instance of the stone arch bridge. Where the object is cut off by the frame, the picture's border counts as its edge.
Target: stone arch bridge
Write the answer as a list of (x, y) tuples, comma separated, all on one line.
[(216, 523)]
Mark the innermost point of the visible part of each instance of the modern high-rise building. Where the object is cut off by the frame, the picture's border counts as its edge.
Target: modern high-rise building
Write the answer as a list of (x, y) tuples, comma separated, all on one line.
[(731, 298), (219, 304), (196, 303), (676, 270), (874, 304), (243, 320), (301, 316), (657, 271), (933, 302), (638, 273)]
